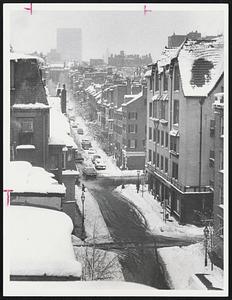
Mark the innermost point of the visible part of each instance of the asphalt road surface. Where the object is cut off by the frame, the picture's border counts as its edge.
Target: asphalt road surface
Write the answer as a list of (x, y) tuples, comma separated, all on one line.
[(127, 224)]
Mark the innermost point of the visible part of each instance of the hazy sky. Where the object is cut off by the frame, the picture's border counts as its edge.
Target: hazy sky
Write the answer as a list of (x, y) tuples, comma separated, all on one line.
[(130, 31)]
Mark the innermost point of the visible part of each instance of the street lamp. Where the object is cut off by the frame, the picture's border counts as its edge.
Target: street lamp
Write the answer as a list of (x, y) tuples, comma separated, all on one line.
[(138, 172), (83, 212), (206, 236)]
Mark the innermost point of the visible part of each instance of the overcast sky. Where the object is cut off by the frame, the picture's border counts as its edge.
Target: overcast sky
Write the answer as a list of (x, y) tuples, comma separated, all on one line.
[(130, 31)]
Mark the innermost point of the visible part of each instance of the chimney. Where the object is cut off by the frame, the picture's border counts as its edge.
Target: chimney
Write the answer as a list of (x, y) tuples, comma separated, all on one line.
[(63, 100)]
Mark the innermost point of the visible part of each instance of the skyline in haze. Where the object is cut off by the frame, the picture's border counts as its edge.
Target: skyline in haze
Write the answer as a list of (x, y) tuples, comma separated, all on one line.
[(130, 31)]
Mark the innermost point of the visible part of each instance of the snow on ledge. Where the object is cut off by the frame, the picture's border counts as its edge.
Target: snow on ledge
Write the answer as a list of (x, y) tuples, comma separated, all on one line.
[(40, 242), (25, 147), (70, 172), (36, 105)]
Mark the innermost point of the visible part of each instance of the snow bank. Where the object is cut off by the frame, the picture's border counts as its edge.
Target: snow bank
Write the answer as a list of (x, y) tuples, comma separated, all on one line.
[(182, 263), (25, 147), (40, 243), (22, 177), (153, 212)]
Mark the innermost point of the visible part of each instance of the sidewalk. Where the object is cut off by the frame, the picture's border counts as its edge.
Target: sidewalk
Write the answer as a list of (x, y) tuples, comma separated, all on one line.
[(183, 266), (104, 264)]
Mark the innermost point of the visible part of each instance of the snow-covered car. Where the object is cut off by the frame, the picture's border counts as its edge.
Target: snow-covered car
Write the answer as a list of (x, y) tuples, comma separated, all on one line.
[(91, 151), (78, 157), (80, 131), (100, 164), (95, 156), (89, 172), (86, 144)]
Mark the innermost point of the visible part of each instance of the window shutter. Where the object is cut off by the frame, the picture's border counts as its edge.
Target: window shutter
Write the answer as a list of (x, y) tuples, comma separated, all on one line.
[(129, 115), (136, 115), (128, 143), (135, 143), (128, 128), (136, 128)]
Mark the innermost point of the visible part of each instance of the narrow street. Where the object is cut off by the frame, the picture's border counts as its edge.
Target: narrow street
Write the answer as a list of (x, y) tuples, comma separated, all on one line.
[(126, 224)]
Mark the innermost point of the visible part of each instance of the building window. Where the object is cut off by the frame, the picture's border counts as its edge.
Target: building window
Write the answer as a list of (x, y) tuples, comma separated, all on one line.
[(144, 144), (149, 155), (151, 83), (162, 138), (158, 136), (153, 157), (157, 160), (150, 109), (211, 158), (221, 198), (161, 162), (132, 128), (132, 144), (156, 81), (166, 165), (176, 112), (155, 109), (165, 81), (176, 79), (12, 75), (132, 115), (173, 143), (154, 135), (212, 128), (26, 132), (150, 133), (162, 110), (178, 206), (53, 162), (221, 126), (221, 225), (145, 129), (221, 165), (166, 139), (175, 170)]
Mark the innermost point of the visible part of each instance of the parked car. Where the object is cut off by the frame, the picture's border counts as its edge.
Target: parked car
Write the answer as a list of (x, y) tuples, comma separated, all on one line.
[(100, 164), (78, 157), (86, 144), (95, 156), (89, 172), (80, 131), (91, 151)]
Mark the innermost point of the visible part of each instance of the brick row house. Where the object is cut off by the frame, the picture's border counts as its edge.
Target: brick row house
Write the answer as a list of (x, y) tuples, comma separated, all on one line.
[(181, 88), (39, 131)]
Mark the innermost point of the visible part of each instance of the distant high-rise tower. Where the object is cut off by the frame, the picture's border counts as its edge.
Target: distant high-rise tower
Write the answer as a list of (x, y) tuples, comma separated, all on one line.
[(69, 43)]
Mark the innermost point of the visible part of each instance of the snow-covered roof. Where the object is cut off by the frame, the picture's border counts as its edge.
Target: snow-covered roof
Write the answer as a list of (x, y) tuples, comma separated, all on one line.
[(36, 105), (15, 56), (119, 109), (22, 177), (201, 65), (136, 97), (40, 242), (166, 56), (59, 125), (148, 73)]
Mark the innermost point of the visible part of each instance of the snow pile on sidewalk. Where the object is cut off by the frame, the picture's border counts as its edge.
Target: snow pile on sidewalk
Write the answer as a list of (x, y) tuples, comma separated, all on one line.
[(153, 212), (181, 265), (97, 264)]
